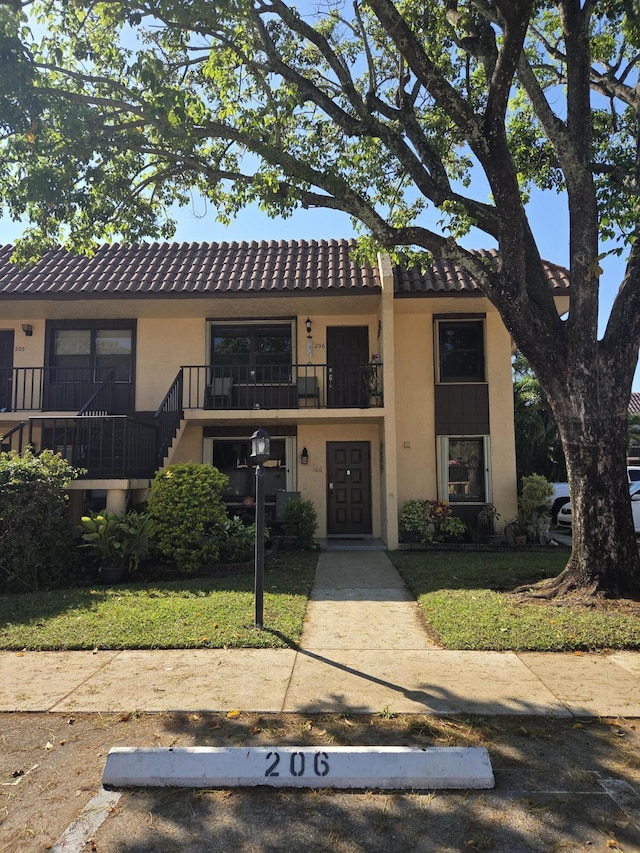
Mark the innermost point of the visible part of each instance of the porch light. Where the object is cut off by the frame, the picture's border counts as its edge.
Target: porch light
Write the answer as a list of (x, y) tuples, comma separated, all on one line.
[(27, 328), (304, 456), (260, 452), (307, 323)]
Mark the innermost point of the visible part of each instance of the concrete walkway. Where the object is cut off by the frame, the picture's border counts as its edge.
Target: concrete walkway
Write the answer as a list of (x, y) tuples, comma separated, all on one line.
[(364, 649)]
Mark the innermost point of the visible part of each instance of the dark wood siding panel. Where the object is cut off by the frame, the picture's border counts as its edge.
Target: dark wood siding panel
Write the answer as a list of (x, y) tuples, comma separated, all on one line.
[(462, 409)]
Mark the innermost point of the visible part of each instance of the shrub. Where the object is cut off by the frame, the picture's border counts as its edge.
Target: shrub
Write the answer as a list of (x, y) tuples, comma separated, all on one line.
[(430, 521), (117, 539), (236, 540), (186, 507), (36, 543), (534, 505), (301, 522), (413, 519)]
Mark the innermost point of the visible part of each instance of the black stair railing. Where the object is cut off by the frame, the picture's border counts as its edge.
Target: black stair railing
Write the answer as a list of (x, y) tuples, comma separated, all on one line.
[(101, 401), (14, 439), (168, 416), (111, 447)]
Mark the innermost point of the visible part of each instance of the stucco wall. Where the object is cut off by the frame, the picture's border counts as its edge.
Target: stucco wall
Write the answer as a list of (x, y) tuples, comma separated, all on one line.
[(415, 378)]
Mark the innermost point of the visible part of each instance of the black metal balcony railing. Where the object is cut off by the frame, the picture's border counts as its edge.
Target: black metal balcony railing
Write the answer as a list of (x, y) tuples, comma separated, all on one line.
[(283, 387), (78, 389), (115, 446)]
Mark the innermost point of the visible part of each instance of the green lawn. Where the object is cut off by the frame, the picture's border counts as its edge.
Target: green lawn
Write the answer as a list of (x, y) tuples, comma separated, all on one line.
[(465, 596), (195, 613)]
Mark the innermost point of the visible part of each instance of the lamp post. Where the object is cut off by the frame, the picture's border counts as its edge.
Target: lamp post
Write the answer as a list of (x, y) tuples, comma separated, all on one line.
[(260, 452)]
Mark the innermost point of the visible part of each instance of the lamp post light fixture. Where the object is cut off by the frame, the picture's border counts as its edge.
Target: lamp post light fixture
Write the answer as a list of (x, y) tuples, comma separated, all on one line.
[(260, 452)]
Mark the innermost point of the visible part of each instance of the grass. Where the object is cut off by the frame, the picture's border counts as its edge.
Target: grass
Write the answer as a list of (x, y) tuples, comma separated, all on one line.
[(184, 614), (466, 598)]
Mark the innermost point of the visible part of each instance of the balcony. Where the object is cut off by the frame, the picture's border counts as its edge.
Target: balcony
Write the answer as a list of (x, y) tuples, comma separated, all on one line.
[(239, 388), (297, 386)]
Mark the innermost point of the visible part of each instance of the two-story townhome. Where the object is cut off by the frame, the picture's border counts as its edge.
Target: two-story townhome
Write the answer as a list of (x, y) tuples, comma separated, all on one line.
[(376, 384)]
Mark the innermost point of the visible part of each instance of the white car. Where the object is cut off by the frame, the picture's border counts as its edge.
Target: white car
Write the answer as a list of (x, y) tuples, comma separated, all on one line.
[(564, 513)]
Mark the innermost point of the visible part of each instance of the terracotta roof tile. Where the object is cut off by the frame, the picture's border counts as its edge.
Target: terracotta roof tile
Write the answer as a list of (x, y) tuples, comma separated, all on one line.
[(445, 276), (193, 268), (634, 403), (177, 269)]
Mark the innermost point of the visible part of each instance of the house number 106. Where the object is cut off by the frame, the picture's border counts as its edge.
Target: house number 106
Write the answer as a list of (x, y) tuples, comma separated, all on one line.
[(317, 469), (298, 764)]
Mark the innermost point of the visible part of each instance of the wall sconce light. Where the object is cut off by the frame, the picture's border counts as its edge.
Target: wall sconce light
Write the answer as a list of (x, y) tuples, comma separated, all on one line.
[(27, 328), (307, 323), (304, 456)]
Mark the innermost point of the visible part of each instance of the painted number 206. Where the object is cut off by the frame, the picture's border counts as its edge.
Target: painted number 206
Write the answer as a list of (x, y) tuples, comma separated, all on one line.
[(318, 764)]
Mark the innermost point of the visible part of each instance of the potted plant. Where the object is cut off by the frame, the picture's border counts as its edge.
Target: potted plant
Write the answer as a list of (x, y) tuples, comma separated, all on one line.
[(371, 380), (514, 533), (487, 518), (452, 529), (118, 541)]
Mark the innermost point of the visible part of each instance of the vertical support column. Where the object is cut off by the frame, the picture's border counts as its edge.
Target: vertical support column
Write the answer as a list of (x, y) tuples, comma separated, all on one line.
[(389, 484)]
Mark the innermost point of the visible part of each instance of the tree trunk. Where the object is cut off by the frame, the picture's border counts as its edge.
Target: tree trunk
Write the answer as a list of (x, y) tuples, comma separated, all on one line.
[(604, 559)]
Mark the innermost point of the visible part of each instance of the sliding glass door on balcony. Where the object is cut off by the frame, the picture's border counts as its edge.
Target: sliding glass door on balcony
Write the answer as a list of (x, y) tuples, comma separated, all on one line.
[(82, 357)]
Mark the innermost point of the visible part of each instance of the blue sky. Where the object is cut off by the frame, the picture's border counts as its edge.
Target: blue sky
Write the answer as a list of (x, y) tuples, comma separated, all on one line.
[(196, 222)]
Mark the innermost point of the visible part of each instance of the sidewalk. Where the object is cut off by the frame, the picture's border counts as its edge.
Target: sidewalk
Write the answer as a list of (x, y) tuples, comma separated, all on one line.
[(364, 649)]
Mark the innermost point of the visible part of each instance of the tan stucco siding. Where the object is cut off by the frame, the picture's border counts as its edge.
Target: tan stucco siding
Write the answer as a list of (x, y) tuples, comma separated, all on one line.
[(163, 346), (413, 377), (503, 448), (414, 374)]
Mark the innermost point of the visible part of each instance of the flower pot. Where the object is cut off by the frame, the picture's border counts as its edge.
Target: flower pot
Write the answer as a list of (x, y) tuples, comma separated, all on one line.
[(519, 540), (495, 539), (410, 537), (111, 574)]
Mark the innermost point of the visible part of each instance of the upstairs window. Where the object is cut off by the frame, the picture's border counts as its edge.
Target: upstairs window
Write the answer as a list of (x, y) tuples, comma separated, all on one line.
[(460, 353), (98, 351), (252, 353)]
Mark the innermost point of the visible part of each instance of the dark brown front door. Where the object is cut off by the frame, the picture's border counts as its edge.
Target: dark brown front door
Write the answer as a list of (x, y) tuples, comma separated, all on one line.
[(6, 368), (349, 488), (347, 357)]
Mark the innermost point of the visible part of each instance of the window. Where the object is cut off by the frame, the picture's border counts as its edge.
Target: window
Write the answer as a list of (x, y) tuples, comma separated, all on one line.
[(461, 350), (97, 351), (463, 471), (232, 457), (252, 353)]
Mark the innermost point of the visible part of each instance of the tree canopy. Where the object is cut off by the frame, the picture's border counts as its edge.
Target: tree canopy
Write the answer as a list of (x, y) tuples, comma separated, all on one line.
[(112, 111)]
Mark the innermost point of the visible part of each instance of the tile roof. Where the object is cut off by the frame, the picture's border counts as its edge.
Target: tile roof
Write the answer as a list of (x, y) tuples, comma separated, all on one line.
[(634, 403), (178, 269), (445, 276)]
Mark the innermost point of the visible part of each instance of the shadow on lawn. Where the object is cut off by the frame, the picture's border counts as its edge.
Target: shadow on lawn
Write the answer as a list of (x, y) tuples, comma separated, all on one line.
[(425, 572), (292, 574)]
